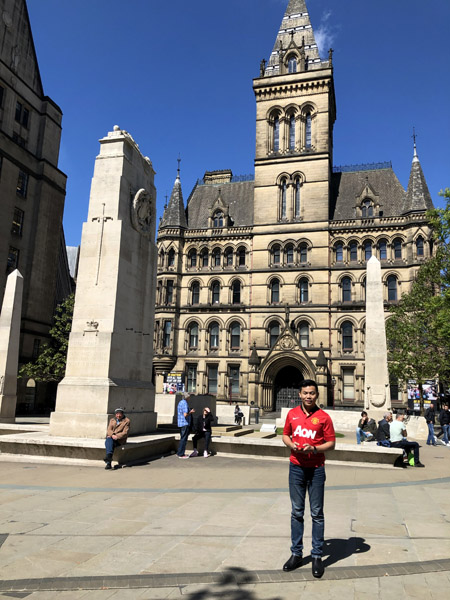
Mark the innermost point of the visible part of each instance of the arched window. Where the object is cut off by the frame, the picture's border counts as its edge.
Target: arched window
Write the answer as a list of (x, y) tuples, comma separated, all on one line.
[(216, 257), (195, 293), (289, 252), (236, 292), (193, 258), (274, 333), (363, 290), (218, 219), (346, 289), (353, 251), (205, 258), (303, 332), (367, 209), (276, 134), (347, 335), (297, 205), (283, 192), (228, 257), (339, 252), (292, 133), (382, 247), (241, 256), (215, 292), (397, 248), (308, 131), (276, 254), (235, 336), (193, 335), (274, 291), (367, 250), (303, 254), (392, 288), (214, 336), (292, 64), (171, 258), (304, 290), (161, 258), (419, 246)]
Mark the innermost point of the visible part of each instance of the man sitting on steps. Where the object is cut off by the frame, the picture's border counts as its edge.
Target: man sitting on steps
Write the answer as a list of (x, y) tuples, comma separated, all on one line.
[(116, 435)]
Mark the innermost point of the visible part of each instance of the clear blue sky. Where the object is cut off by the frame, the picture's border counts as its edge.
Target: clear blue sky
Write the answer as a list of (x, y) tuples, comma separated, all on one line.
[(178, 76)]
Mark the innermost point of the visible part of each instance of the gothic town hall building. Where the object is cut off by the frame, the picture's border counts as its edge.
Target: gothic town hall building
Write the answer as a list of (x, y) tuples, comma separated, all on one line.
[(261, 281)]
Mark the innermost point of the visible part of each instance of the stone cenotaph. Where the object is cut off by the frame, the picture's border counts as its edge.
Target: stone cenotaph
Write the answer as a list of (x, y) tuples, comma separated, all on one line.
[(9, 346), (376, 380), (109, 361)]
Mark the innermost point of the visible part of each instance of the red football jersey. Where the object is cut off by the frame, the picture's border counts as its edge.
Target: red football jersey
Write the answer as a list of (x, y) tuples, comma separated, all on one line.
[(314, 429)]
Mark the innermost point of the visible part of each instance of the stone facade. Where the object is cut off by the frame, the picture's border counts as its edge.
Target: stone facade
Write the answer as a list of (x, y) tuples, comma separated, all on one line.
[(261, 281), (32, 188)]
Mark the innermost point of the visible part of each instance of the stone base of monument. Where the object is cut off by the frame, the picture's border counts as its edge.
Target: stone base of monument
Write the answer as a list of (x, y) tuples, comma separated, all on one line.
[(39, 444)]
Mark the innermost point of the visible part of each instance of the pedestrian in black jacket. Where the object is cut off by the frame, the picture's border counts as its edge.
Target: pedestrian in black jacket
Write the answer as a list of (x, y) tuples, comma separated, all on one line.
[(383, 432), (444, 420), (203, 430), (430, 417)]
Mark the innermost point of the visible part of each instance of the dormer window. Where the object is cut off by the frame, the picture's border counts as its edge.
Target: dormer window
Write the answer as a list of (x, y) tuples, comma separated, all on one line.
[(367, 209), (218, 219), (292, 64)]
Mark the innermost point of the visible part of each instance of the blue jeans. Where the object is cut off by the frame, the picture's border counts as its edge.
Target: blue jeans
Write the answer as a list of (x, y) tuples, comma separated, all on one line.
[(110, 444), (430, 439), (184, 434), (313, 480), (199, 435), (408, 447), (446, 430), (362, 435)]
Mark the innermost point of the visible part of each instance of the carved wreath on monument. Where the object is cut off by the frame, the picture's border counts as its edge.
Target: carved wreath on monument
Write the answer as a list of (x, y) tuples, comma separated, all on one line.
[(142, 212)]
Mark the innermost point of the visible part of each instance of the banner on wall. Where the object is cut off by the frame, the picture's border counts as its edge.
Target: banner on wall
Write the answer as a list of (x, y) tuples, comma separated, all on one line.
[(174, 383), (429, 393)]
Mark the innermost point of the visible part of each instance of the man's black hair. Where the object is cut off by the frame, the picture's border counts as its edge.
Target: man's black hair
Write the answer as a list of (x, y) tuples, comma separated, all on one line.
[(307, 383), (363, 413)]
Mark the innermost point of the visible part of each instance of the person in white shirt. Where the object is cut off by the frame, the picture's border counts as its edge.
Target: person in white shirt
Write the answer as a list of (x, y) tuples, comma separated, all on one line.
[(398, 435)]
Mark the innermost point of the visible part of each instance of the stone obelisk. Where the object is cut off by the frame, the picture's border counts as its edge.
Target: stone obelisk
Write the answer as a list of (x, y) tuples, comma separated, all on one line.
[(109, 361), (9, 346), (376, 385)]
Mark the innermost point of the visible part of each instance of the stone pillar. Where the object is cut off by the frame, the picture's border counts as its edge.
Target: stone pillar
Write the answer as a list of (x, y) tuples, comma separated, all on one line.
[(9, 346), (109, 362), (376, 382)]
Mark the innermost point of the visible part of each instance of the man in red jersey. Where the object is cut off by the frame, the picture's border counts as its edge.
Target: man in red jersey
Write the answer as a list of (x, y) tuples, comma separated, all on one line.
[(308, 432)]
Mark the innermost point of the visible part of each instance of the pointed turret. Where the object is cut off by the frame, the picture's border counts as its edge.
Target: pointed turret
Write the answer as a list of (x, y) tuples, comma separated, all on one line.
[(296, 33), (174, 214), (418, 198)]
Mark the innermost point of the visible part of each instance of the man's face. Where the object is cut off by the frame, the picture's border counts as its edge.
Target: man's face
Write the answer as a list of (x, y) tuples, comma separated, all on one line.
[(119, 415), (389, 418), (308, 396)]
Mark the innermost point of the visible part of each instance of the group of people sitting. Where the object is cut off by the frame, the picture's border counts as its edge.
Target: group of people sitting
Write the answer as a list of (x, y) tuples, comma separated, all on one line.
[(388, 433)]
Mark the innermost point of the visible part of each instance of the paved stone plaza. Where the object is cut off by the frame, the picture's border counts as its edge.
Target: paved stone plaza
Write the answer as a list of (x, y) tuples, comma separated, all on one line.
[(219, 528)]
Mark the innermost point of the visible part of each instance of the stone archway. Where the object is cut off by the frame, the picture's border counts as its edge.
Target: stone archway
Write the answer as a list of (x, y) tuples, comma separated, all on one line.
[(280, 379)]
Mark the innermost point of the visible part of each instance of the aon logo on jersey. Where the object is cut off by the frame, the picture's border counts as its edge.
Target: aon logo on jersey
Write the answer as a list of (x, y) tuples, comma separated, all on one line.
[(305, 433)]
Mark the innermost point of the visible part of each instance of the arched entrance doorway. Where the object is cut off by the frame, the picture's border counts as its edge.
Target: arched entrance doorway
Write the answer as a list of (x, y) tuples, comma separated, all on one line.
[(286, 387)]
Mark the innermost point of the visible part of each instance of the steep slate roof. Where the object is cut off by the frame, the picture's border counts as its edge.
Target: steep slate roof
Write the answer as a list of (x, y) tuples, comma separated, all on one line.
[(346, 189), (174, 214), (418, 197), (237, 195)]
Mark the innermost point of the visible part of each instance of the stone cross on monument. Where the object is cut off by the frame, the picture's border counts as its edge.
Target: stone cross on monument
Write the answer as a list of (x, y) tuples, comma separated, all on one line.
[(376, 381)]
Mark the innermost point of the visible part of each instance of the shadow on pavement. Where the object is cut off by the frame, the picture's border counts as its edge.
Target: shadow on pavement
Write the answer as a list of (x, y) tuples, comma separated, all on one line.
[(339, 549), (229, 588)]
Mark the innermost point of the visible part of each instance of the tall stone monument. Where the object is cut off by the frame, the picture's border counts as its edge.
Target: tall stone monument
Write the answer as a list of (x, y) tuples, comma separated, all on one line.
[(109, 362), (9, 346), (376, 387)]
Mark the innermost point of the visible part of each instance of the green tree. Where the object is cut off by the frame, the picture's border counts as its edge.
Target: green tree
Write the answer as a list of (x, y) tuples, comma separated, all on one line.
[(50, 365)]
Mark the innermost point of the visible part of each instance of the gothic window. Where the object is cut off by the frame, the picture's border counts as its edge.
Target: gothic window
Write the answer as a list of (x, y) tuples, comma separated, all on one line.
[(193, 335), (166, 333), (236, 292), (215, 292), (367, 209), (303, 332), (276, 254), (339, 252), (171, 258), (303, 254), (213, 376), (218, 219), (382, 247), (193, 258), (392, 288), (289, 252), (304, 290), (191, 378), (228, 257), (235, 336), (169, 291), (297, 205), (346, 289), (397, 248), (292, 133), (214, 336), (195, 293), (205, 258), (274, 333), (308, 131), (276, 134), (367, 250), (241, 257), (348, 380), (353, 251), (233, 375), (420, 246), (216, 257), (274, 291), (292, 64), (347, 335), (363, 290), (283, 192), (161, 258)]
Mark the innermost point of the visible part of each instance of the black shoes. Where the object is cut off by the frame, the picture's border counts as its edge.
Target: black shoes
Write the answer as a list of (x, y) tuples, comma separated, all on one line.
[(418, 464), (317, 567), (293, 563)]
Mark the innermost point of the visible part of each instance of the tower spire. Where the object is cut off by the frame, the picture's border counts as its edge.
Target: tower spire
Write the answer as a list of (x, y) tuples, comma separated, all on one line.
[(418, 198), (174, 213)]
